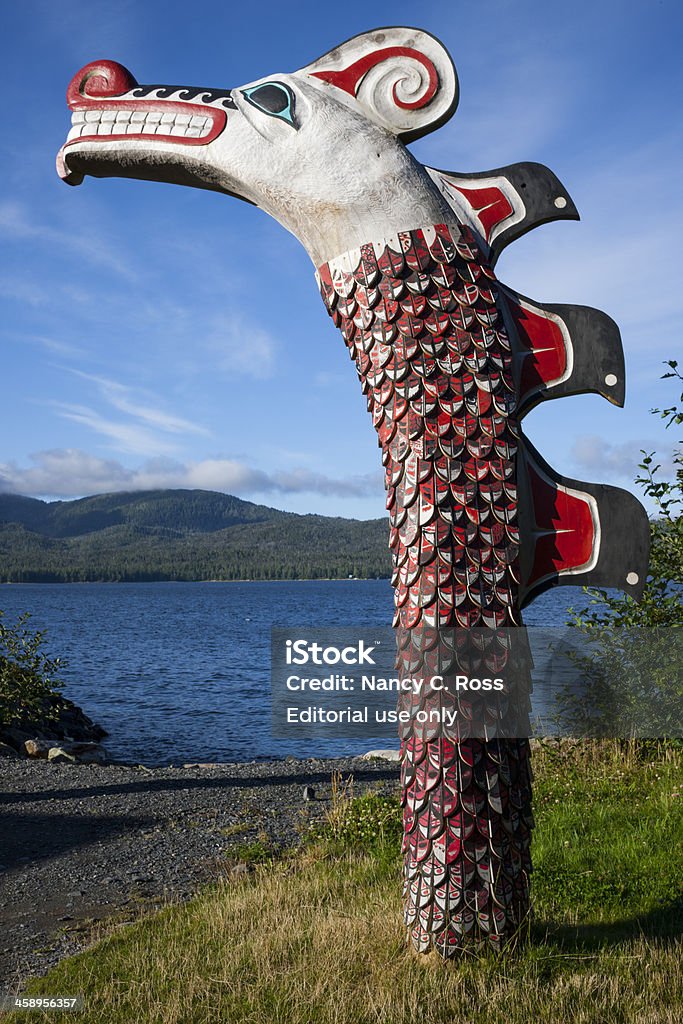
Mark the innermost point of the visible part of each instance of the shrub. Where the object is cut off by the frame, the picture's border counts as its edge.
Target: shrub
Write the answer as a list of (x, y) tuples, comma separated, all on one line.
[(28, 685)]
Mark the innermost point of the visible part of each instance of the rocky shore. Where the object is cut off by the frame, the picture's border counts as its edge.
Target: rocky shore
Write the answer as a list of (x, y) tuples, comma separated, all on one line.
[(80, 842), (59, 731)]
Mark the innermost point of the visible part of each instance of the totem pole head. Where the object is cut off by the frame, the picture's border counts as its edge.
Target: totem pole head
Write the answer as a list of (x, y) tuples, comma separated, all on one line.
[(321, 149)]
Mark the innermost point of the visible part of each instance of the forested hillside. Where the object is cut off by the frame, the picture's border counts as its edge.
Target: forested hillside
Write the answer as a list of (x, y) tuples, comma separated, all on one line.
[(180, 535)]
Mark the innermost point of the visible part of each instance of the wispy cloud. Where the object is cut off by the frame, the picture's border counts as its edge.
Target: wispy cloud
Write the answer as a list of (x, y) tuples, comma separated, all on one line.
[(146, 426), (56, 346), (70, 472), (239, 347), (24, 290), (17, 224), (126, 437), (122, 397)]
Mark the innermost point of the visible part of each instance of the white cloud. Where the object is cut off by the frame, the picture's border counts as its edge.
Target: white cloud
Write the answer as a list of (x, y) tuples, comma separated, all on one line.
[(70, 472), (609, 461), (63, 472), (303, 480)]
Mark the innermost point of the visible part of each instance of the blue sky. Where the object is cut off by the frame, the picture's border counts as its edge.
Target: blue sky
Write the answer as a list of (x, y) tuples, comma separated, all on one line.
[(162, 336)]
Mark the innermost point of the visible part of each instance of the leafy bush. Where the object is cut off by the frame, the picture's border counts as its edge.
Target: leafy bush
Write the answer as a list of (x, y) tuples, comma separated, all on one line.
[(633, 651), (661, 603), (28, 685)]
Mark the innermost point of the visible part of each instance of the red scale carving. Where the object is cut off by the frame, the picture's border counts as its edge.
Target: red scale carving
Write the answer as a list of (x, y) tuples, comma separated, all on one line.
[(449, 436)]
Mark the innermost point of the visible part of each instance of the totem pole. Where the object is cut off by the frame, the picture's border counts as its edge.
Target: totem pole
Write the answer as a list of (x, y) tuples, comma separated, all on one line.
[(450, 361)]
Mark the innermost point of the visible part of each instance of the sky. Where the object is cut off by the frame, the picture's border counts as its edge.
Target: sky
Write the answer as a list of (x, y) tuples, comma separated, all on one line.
[(157, 336)]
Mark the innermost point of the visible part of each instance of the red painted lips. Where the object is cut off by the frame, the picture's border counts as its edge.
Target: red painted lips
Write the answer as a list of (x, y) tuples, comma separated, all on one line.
[(105, 111)]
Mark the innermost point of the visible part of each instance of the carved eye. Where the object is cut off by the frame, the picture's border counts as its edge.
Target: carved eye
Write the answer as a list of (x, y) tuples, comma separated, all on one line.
[(273, 98)]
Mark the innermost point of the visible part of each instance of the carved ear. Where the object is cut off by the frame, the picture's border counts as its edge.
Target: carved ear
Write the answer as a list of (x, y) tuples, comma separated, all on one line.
[(402, 78)]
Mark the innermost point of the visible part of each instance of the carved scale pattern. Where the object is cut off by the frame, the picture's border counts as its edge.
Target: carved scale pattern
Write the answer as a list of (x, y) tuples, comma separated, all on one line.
[(420, 316)]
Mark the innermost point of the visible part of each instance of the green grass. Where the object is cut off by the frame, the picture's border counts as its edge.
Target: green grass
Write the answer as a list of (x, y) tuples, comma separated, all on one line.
[(316, 936)]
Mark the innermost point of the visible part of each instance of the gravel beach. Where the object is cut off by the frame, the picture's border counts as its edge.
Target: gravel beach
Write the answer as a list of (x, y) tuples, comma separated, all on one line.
[(80, 842)]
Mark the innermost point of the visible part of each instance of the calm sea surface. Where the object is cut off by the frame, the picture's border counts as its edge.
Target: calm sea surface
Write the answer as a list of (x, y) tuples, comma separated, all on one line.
[(181, 671)]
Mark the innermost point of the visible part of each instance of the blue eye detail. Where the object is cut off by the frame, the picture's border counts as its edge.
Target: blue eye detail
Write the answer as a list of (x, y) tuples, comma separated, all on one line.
[(273, 98)]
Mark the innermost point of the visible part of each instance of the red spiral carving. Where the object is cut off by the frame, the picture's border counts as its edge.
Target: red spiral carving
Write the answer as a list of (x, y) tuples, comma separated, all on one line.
[(349, 79)]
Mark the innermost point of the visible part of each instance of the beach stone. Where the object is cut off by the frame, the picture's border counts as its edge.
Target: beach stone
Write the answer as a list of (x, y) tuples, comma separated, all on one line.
[(38, 748), (384, 755), (59, 756), (14, 736), (79, 747), (95, 755), (9, 752)]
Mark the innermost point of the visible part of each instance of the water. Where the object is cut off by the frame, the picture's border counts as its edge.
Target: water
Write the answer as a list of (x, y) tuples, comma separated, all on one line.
[(180, 672)]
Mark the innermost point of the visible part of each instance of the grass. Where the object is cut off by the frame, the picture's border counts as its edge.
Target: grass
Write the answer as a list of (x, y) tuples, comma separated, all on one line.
[(315, 936)]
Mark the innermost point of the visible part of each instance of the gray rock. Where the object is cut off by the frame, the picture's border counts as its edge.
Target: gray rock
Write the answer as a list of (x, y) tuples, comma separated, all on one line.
[(17, 737), (59, 756), (96, 755), (382, 755), (81, 747), (9, 752)]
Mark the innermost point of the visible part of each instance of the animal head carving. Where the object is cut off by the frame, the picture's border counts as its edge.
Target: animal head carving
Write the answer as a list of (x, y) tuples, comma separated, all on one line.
[(320, 149)]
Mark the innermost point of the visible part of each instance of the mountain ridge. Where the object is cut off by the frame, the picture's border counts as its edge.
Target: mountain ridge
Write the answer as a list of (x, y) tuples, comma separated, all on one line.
[(180, 534)]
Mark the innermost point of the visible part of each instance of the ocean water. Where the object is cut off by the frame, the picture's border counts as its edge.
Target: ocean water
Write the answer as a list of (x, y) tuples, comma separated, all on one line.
[(180, 672)]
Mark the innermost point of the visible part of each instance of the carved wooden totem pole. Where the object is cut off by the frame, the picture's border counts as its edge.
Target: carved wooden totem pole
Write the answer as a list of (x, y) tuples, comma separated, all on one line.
[(450, 361)]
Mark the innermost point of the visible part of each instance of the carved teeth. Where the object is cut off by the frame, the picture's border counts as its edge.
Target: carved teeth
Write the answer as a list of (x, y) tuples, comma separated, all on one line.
[(138, 122)]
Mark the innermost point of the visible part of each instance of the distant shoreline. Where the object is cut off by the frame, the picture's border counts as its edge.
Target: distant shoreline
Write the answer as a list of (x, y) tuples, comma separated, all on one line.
[(80, 583)]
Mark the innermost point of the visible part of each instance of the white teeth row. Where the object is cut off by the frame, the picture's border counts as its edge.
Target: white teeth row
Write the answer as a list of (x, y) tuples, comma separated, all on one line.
[(138, 122)]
